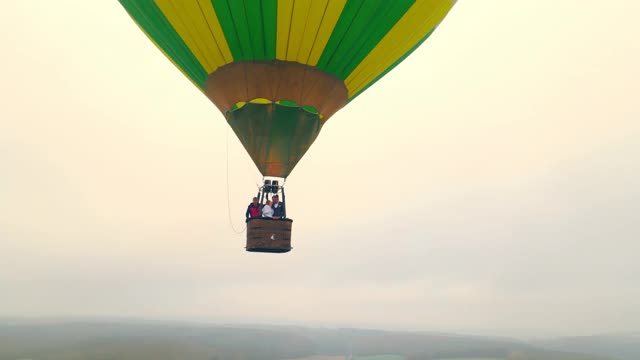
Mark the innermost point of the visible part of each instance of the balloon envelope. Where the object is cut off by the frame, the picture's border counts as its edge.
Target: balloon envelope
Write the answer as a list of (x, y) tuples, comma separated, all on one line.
[(279, 69)]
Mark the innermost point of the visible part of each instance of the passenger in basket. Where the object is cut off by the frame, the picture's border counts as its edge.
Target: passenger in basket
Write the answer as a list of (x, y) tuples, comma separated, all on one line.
[(267, 211), (278, 208), (253, 210)]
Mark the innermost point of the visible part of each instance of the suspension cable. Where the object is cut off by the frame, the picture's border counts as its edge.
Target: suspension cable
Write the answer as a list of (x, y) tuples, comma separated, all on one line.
[(228, 195)]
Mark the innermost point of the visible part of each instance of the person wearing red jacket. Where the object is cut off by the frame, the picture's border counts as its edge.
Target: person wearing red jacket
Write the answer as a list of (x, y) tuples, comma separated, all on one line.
[(253, 210)]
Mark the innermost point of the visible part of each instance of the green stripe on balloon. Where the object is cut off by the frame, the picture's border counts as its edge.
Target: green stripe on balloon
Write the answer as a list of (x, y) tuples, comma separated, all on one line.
[(249, 27), (358, 31)]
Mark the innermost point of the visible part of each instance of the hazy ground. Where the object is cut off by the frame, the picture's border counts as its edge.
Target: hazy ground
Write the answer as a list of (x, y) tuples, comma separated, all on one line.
[(103, 340)]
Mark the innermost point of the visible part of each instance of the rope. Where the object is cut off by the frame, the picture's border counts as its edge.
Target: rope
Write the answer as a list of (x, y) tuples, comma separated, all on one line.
[(228, 195)]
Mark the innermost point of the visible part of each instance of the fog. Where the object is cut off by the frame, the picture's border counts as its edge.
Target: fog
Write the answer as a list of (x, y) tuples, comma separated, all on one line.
[(487, 184)]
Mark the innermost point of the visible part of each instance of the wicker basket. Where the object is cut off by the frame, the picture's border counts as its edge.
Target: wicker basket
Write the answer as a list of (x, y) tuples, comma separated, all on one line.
[(268, 235)]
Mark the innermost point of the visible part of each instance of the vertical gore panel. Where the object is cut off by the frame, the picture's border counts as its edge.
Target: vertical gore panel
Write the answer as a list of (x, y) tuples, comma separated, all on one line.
[(299, 20), (285, 11), (370, 33), (312, 24), (255, 26), (361, 26), (196, 23), (249, 27), (270, 16), (229, 28), (238, 15), (330, 17), (348, 14)]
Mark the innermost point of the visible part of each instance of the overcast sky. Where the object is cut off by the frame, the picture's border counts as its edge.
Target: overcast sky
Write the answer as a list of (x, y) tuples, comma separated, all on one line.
[(508, 145)]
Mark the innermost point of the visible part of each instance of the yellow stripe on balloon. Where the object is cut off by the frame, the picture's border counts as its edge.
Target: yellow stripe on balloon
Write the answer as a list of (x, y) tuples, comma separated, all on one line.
[(304, 28), (297, 28), (261, 101), (306, 24), (197, 24), (329, 16), (285, 9), (422, 17)]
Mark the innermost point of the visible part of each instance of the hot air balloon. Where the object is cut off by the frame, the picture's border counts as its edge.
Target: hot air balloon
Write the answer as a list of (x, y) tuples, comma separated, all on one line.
[(279, 69)]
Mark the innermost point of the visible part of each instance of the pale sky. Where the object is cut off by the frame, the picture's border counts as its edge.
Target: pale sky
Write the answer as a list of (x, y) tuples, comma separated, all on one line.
[(508, 145)]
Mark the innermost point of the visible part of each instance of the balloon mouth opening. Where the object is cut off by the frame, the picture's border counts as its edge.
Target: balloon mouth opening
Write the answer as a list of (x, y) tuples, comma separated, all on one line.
[(287, 103)]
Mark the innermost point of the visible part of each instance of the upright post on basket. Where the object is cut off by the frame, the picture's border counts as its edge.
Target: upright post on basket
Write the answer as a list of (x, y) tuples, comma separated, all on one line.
[(284, 210)]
